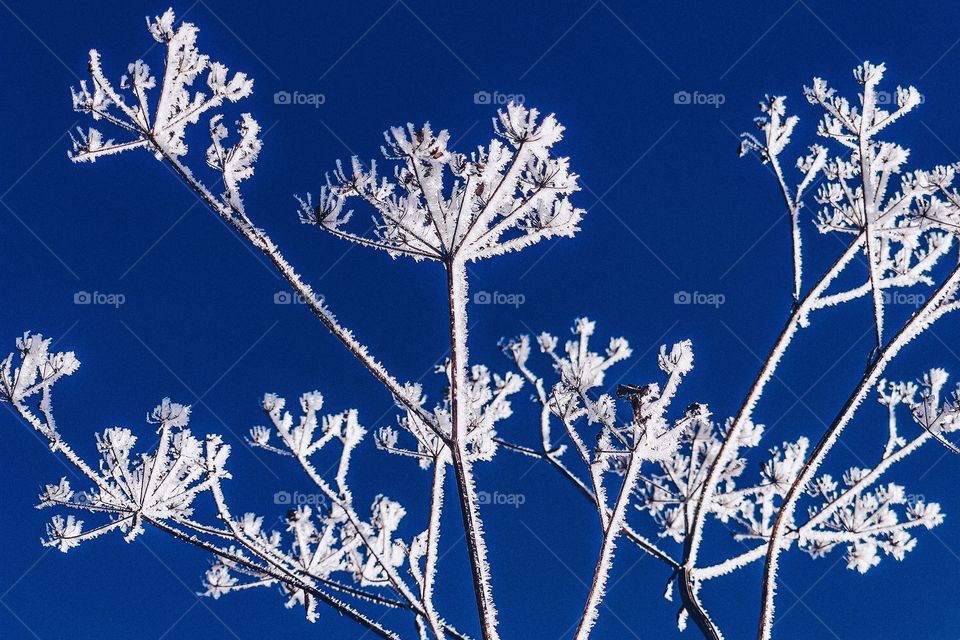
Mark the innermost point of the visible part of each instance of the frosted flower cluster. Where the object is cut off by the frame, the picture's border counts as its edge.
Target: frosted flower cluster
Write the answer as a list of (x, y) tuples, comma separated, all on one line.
[(438, 203)]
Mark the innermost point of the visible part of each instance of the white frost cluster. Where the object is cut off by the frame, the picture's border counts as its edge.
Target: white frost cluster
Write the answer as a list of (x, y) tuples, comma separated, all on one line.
[(127, 489), (439, 203), (879, 520), (487, 403), (131, 489), (842, 513), (158, 120), (864, 518), (907, 230), (37, 370)]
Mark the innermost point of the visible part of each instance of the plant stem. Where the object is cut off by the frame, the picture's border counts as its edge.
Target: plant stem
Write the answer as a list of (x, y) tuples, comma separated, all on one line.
[(433, 541), (462, 465), (605, 561), (265, 245)]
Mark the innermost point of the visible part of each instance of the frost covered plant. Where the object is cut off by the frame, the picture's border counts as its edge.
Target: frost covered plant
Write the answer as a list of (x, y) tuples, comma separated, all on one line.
[(439, 204), (641, 461)]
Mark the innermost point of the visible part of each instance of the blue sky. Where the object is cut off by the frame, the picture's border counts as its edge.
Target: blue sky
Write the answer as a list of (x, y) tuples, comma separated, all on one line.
[(671, 208)]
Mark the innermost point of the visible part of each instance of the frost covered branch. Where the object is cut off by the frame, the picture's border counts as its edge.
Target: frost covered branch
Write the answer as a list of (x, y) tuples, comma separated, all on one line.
[(940, 304)]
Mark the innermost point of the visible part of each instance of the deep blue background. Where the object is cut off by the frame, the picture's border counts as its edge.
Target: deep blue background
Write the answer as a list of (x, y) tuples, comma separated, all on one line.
[(679, 212)]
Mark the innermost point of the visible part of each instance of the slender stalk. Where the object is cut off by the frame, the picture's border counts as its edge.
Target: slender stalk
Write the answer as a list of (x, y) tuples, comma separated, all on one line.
[(642, 543), (608, 546), (870, 195), (261, 241), (689, 589), (646, 421), (594, 470), (462, 466), (793, 204), (433, 541)]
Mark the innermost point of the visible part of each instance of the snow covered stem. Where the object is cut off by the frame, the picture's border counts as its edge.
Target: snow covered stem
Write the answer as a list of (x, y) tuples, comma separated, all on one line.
[(433, 540), (462, 465), (259, 239), (794, 205), (605, 560), (870, 204), (728, 449), (940, 304), (551, 456)]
